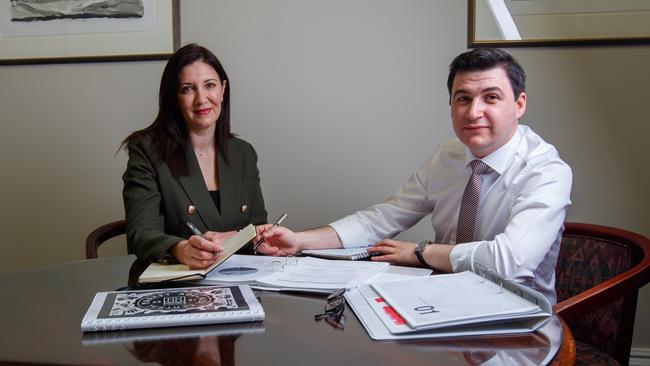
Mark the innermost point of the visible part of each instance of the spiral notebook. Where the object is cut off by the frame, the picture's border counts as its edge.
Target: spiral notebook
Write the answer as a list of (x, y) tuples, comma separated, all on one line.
[(351, 254), (120, 310)]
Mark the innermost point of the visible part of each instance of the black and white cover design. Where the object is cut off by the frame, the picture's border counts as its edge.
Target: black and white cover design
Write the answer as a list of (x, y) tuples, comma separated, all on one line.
[(172, 307), (172, 301)]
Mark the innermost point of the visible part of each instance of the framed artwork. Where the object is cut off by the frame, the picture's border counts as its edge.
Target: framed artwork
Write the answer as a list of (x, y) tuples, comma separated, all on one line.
[(66, 31), (515, 23)]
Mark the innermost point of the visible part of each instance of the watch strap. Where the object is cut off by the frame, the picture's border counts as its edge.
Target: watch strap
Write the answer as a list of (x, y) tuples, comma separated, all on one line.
[(418, 252)]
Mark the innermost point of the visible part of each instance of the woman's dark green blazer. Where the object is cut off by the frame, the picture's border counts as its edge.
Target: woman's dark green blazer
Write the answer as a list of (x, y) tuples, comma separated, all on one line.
[(157, 204)]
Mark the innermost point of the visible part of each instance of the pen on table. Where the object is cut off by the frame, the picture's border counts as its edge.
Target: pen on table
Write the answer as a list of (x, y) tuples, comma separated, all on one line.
[(277, 223), (193, 228)]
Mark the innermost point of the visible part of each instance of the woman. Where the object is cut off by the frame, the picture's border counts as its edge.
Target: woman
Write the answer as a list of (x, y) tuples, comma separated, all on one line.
[(188, 167)]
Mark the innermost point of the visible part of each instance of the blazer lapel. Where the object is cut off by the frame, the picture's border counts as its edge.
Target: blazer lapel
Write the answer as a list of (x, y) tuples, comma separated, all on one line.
[(230, 185), (197, 192)]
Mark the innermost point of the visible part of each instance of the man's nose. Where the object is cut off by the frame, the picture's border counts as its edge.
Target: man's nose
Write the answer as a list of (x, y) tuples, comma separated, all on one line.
[(475, 110)]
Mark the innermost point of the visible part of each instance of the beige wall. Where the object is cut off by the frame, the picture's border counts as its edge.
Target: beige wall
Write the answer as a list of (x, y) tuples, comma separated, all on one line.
[(342, 99)]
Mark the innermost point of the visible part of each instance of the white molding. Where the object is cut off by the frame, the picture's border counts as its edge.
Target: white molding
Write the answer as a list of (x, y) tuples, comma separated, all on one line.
[(506, 25), (640, 357)]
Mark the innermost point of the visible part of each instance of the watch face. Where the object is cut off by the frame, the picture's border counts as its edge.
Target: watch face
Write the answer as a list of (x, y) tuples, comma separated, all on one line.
[(173, 300)]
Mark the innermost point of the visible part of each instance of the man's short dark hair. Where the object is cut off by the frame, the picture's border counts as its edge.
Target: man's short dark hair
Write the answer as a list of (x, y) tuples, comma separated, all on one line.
[(481, 59)]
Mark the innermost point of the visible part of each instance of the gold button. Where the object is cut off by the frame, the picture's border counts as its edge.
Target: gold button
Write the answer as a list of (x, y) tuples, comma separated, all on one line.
[(244, 208), (191, 209)]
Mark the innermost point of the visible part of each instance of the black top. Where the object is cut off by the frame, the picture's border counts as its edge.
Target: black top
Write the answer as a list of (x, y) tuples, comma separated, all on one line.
[(216, 198)]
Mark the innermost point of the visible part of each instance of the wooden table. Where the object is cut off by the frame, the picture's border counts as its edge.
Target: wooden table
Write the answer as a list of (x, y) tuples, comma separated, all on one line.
[(42, 310)]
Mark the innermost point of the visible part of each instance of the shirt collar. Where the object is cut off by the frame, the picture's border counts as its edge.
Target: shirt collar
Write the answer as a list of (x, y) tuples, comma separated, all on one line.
[(498, 159)]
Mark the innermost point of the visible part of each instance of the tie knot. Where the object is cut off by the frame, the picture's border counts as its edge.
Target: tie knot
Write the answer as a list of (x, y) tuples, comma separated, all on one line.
[(479, 167)]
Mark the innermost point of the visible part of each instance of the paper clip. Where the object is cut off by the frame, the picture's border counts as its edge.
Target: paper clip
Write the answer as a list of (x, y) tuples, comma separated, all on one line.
[(277, 266)]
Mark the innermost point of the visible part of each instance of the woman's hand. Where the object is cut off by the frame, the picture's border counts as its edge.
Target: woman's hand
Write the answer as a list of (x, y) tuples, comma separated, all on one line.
[(200, 252), (217, 237)]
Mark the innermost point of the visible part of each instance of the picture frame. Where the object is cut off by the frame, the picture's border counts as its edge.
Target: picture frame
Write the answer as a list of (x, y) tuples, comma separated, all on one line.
[(525, 23), (153, 36)]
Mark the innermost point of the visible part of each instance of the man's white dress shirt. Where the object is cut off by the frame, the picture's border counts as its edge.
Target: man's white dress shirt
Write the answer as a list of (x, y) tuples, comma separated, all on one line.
[(524, 200)]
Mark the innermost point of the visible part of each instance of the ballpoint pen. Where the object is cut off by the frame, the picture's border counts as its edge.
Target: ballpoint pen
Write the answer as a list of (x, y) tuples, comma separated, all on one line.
[(196, 231), (193, 228), (277, 223)]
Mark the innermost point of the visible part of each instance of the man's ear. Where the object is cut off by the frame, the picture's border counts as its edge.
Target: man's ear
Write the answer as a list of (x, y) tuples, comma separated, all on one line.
[(521, 105)]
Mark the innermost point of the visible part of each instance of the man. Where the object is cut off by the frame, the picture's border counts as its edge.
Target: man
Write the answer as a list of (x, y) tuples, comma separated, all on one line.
[(498, 192)]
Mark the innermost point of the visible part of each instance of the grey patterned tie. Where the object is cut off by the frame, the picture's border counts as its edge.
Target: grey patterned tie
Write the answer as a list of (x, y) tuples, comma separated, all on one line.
[(466, 229)]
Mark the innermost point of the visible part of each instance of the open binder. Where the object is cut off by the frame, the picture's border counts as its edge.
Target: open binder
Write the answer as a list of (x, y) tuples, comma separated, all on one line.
[(449, 305)]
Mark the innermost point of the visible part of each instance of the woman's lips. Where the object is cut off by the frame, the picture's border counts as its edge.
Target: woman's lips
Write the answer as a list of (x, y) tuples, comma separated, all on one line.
[(203, 111)]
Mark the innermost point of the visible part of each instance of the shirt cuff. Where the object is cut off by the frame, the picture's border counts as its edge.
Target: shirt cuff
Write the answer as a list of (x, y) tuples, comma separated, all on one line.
[(462, 256), (351, 232)]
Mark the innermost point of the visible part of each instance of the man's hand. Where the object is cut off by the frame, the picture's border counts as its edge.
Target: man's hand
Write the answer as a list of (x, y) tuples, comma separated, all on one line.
[(396, 252), (403, 253), (278, 240)]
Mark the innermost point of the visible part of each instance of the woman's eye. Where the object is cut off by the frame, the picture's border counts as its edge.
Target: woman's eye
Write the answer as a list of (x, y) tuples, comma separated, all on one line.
[(186, 89), (211, 85)]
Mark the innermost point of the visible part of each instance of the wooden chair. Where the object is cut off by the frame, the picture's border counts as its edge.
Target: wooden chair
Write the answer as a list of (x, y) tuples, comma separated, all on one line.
[(102, 234), (598, 274)]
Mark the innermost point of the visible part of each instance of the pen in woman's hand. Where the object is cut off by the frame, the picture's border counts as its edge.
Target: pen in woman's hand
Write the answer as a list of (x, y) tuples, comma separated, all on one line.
[(277, 223), (197, 232), (193, 229)]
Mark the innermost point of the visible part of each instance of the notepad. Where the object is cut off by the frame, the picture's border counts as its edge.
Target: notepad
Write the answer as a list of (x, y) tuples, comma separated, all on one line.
[(350, 254), (157, 272), (120, 310)]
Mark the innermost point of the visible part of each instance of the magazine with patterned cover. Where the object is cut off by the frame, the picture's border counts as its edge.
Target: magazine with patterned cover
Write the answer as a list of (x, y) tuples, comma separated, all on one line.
[(118, 310)]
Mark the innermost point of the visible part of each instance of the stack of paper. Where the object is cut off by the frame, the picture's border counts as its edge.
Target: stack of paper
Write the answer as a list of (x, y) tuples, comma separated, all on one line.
[(321, 275), (304, 274)]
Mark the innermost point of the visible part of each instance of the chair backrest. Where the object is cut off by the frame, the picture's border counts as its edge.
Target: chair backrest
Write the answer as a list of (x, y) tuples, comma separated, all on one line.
[(598, 274), (102, 234)]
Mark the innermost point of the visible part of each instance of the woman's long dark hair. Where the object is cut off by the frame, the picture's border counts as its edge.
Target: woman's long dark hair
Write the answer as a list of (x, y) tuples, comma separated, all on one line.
[(168, 130)]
